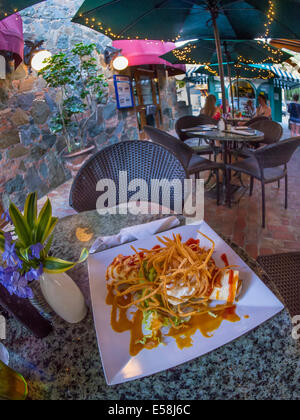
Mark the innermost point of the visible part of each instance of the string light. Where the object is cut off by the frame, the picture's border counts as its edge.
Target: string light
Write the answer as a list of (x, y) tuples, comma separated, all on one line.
[(271, 17)]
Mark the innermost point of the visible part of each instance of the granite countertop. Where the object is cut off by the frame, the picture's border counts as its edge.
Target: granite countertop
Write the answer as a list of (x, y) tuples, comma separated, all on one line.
[(264, 364)]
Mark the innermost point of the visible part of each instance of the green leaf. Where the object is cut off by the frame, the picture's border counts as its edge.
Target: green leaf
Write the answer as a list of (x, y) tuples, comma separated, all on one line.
[(30, 210), (48, 246), (2, 241), (21, 227), (43, 223), (49, 229), (55, 265), (24, 252)]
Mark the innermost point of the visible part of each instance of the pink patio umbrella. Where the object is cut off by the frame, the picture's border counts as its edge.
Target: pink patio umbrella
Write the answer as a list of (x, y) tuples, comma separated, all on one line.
[(141, 52), (11, 37)]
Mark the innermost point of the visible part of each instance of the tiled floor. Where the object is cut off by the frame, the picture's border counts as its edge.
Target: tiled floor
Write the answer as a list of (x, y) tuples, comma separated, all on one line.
[(243, 222)]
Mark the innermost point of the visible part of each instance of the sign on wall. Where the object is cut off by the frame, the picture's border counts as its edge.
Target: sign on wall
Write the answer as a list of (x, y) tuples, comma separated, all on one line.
[(124, 95)]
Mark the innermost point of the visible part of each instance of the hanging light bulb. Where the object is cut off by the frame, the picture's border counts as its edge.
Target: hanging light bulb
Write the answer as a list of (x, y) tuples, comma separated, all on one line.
[(120, 63), (38, 60)]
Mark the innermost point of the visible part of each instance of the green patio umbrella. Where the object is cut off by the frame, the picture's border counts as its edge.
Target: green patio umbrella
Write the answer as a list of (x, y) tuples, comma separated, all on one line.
[(235, 71), (238, 51), (204, 52), (9, 7), (188, 19), (238, 70)]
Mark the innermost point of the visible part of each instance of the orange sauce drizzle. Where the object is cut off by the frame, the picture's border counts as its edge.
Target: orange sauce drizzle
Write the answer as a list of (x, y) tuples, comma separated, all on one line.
[(205, 323)]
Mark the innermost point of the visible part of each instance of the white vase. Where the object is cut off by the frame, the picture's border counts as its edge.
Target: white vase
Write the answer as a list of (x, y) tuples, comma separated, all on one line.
[(64, 297)]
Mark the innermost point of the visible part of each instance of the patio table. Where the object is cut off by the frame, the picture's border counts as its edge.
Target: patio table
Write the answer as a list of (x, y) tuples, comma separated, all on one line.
[(264, 364), (227, 139)]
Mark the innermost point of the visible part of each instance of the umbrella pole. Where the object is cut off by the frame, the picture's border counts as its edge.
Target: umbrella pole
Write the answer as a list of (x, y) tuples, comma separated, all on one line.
[(238, 90), (231, 88), (220, 58), (229, 75)]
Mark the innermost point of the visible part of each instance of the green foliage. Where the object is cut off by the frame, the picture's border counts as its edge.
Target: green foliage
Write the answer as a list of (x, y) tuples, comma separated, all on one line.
[(2, 241), (82, 86), (32, 228)]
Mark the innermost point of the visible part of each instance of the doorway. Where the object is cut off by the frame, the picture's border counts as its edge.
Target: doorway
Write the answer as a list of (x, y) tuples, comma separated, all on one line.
[(147, 99), (243, 91)]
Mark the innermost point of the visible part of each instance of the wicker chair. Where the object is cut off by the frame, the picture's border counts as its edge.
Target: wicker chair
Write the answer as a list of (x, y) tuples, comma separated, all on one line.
[(193, 163), (190, 121), (284, 271), (272, 134), (268, 165), (255, 119), (140, 159), (271, 129)]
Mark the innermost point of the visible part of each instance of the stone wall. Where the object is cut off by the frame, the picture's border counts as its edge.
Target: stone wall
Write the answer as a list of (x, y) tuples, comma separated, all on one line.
[(30, 155)]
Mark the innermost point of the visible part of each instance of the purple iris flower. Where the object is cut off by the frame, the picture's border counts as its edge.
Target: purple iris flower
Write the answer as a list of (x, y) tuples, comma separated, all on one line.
[(34, 273), (6, 217), (15, 283), (9, 255), (36, 251)]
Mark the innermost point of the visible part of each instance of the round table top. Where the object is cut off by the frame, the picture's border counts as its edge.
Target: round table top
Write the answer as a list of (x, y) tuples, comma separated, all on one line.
[(264, 364), (224, 136)]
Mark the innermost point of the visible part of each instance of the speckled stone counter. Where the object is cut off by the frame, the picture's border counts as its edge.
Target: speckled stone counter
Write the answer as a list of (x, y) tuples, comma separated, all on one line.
[(265, 364)]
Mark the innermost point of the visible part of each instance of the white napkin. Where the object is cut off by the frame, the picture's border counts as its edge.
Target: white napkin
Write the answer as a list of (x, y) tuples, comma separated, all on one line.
[(133, 233), (242, 133)]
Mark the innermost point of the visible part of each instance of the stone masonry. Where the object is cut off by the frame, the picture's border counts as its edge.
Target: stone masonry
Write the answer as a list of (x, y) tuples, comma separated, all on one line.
[(30, 155)]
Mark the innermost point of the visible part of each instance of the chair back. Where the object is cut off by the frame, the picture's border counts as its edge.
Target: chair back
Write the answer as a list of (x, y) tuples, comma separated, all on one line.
[(141, 160), (183, 152), (253, 120), (271, 129), (277, 154), (190, 121)]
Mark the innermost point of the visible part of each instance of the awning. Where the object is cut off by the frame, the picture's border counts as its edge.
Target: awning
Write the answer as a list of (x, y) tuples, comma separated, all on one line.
[(194, 77), (141, 52), (282, 79), (11, 37), (289, 44)]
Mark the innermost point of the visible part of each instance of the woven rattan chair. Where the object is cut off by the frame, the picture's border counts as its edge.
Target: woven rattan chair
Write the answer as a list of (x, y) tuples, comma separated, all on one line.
[(268, 164), (284, 271), (255, 119), (140, 159), (190, 121), (193, 163), (272, 134), (272, 130)]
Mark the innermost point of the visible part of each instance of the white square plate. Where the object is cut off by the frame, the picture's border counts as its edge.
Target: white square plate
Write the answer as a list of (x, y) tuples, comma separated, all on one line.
[(256, 301)]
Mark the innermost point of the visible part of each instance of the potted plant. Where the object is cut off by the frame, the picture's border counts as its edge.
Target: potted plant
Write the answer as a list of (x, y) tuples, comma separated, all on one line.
[(81, 89), (24, 251)]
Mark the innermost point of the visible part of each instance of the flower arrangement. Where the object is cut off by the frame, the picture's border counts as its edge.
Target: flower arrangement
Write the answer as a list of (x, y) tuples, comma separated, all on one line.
[(24, 249)]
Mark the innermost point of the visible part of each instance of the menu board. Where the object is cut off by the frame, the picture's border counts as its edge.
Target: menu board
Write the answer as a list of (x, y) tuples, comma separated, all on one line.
[(124, 94)]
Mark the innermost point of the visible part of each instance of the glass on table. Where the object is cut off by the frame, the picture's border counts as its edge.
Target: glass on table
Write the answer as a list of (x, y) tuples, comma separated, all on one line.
[(12, 385)]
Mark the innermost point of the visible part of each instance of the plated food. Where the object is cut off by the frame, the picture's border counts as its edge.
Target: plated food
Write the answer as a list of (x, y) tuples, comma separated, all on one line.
[(171, 290)]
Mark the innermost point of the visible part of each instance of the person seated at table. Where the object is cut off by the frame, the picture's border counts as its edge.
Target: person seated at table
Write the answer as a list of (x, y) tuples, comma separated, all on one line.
[(263, 109), (210, 108), (249, 108)]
